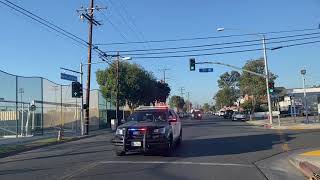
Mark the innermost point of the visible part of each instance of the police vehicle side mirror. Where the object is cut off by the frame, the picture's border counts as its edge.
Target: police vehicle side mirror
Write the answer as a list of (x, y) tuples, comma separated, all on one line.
[(172, 119)]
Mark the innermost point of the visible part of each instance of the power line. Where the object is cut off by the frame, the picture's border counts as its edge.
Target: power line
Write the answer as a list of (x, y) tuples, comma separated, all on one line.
[(51, 26), (195, 55), (212, 44), (44, 22), (206, 38), (219, 48), (299, 44), (219, 53), (124, 19), (115, 27), (131, 19)]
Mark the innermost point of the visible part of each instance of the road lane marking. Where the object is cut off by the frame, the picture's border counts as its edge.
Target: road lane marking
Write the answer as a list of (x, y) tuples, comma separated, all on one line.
[(177, 163), (80, 171), (312, 153)]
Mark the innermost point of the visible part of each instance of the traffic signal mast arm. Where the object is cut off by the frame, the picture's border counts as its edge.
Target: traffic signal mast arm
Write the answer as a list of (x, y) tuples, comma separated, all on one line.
[(234, 67)]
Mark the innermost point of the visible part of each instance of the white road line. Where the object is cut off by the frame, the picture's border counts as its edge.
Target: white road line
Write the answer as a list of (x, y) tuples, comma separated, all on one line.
[(177, 163), (80, 171)]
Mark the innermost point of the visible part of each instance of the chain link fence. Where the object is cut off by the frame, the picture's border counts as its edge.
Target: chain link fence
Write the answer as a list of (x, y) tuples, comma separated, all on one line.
[(36, 106)]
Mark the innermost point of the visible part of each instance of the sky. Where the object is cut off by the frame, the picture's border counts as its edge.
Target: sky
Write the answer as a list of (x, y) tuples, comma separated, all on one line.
[(29, 49)]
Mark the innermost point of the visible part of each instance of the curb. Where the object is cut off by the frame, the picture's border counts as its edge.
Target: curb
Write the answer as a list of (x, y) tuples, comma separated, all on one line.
[(306, 168), (15, 152)]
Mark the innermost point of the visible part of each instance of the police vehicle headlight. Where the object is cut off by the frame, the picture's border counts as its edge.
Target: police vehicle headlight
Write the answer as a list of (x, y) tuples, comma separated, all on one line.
[(119, 131), (160, 130)]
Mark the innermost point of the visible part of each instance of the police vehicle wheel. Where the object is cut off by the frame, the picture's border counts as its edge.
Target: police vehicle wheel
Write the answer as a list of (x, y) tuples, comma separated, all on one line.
[(120, 153), (168, 150), (179, 141)]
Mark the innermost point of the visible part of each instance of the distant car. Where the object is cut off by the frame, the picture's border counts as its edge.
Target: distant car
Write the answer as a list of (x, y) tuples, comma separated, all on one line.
[(221, 113), (180, 114), (238, 116), (149, 129), (197, 115), (228, 114)]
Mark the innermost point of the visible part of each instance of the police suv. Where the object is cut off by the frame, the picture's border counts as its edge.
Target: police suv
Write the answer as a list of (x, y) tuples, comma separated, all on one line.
[(149, 129)]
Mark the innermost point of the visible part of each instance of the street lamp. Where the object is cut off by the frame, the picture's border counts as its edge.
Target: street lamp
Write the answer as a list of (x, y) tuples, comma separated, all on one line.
[(262, 36), (118, 84), (303, 73)]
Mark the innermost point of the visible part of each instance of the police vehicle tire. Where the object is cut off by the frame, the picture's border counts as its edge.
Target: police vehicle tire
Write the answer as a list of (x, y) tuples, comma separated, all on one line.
[(179, 141), (120, 153), (168, 150)]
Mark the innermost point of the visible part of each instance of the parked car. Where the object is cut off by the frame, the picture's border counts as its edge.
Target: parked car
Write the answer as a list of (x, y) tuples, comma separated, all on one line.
[(221, 113), (239, 116), (228, 114)]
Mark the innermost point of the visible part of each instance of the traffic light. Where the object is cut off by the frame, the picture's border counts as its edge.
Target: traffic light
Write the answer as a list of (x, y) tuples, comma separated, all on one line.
[(192, 64), (76, 90), (271, 87)]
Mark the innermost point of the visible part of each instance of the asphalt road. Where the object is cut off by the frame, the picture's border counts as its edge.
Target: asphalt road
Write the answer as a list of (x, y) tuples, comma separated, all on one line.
[(212, 148)]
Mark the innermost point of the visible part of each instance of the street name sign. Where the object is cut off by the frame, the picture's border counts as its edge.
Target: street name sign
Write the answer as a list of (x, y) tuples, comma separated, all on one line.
[(206, 70), (69, 77)]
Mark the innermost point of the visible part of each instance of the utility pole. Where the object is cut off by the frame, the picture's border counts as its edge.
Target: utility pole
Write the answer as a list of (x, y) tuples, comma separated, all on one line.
[(188, 99), (87, 13), (182, 89), (87, 115), (267, 77), (164, 73), (118, 88)]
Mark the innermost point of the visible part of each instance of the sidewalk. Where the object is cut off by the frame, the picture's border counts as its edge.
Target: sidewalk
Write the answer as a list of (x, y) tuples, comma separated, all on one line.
[(11, 146), (297, 123), (308, 163)]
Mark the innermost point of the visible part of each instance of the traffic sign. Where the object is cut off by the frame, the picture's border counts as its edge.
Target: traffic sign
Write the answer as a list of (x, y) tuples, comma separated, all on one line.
[(69, 77), (206, 70)]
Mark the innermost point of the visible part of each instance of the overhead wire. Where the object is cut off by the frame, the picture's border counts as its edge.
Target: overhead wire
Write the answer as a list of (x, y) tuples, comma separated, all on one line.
[(123, 36), (124, 19), (210, 45), (44, 22), (207, 37), (217, 48), (195, 55)]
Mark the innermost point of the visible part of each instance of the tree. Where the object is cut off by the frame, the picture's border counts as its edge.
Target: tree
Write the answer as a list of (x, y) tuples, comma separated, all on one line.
[(213, 108), (224, 97), (177, 102), (228, 80), (206, 107), (137, 86), (229, 89), (255, 86), (162, 91)]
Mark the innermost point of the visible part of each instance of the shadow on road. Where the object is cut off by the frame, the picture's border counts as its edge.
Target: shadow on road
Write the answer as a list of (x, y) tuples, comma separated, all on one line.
[(228, 145), (18, 171), (60, 155)]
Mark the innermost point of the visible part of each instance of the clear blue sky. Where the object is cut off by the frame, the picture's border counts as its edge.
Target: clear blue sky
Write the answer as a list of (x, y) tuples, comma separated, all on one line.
[(28, 49)]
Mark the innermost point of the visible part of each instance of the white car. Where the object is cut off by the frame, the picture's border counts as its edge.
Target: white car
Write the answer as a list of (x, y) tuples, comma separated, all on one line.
[(237, 116), (221, 113)]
